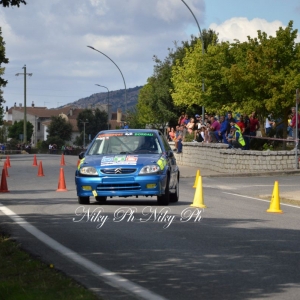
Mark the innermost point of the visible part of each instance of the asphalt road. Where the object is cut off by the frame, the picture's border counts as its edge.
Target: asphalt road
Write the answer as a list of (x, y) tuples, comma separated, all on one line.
[(129, 249)]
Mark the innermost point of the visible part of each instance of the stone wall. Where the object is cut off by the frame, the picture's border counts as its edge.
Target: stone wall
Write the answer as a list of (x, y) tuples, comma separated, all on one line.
[(217, 156)]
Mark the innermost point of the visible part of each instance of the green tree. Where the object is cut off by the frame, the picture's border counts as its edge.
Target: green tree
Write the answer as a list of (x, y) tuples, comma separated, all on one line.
[(3, 60), (6, 3), (59, 128), (260, 74), (134, 120), (17, 129), (266, 73), (188, 75), (155, 103)]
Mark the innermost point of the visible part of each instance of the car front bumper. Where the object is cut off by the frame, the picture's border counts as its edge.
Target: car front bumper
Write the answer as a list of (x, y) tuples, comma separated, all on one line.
[(121, 186)]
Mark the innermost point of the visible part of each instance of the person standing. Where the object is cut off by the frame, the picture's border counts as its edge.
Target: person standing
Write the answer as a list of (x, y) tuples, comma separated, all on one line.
[(269, 124), (293, 123), (254, 124), (246, 133), (221, 134), (241, 124), (229, 119)]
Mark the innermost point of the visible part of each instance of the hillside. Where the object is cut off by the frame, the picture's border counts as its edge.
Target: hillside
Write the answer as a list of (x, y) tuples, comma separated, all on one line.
[(116, 99)]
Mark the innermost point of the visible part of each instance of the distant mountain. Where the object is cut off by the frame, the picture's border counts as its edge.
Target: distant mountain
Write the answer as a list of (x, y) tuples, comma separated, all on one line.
[(116, 99)]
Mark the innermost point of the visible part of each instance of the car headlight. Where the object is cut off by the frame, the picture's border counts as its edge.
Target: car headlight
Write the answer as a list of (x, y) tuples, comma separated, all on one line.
[(88, 171), (151, 169)]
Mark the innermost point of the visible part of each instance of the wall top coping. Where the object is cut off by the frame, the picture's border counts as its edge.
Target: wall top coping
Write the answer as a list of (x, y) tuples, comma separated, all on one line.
[(225, 150)]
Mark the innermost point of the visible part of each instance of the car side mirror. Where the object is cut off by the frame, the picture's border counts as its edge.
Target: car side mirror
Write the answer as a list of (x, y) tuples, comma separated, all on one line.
[(81, 155), (170, 154)]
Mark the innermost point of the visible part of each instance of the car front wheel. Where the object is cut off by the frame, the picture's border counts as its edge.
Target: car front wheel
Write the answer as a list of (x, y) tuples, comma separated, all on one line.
[(174, 197), (164, 199)]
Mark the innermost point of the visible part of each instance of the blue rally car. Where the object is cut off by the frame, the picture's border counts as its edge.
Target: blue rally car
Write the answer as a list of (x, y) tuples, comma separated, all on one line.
[(128, 163)]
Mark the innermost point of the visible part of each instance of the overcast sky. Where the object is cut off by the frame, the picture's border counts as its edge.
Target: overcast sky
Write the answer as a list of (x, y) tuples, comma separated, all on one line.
[(51, 37)]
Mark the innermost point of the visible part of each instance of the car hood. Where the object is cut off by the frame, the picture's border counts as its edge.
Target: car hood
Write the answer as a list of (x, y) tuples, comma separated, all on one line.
[(121, 160)]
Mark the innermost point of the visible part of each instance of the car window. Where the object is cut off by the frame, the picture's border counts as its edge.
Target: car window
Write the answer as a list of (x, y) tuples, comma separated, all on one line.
[(123, 143), (166, 144)]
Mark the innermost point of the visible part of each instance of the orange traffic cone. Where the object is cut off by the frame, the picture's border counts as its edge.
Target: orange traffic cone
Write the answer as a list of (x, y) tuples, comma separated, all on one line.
[(40, 172), (275, 201), (198, 198), (196, 179), (8, 162), (3, 187), (78, 162), (62, 160), (61, 182), (34, 164), (5, 169)]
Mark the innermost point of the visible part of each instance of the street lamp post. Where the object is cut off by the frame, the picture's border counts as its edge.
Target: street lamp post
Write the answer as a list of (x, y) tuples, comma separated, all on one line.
[(121, 75), (202, 42), (297, 130), (107, 104), (84, 122), (25, 110)]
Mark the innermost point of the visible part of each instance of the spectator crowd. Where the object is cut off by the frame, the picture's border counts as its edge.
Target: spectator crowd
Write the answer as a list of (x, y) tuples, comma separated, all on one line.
[(236, 132)]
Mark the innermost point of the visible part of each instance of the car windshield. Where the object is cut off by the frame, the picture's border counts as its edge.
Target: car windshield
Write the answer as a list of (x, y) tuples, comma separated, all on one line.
[(125, 143)]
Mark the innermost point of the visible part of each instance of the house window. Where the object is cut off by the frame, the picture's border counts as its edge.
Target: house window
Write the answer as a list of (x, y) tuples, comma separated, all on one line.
[(39, 126)]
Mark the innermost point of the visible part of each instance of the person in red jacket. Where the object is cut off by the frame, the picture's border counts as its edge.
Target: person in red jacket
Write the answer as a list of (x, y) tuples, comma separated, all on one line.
[(254, 124), (293, 123)]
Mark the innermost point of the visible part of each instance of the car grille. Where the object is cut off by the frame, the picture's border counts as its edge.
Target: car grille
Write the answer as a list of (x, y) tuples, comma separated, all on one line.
[(119, 187), (118, 171)]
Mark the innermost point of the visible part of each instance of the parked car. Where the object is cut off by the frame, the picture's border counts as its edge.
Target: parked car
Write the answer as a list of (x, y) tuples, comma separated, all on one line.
[(128, 163)]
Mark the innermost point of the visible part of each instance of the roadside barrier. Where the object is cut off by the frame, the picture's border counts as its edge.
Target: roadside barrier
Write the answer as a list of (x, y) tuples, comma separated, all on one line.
[(8, 162), (61, 182), (62, 160), (198, 198), (275, 201), (34, 164), (40, 171), (3, 187)]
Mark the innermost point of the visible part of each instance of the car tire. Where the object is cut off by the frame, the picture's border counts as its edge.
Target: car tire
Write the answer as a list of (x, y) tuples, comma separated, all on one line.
[(174, 197), (84, 200), (101, 199), (165, 199)]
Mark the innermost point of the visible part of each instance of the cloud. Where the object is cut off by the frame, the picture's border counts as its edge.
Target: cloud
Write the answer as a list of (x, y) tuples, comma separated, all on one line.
[(51, 38), (240, 28)]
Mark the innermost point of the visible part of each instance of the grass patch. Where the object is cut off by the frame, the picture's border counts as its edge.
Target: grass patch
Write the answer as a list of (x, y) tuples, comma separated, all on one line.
[(23, 277)]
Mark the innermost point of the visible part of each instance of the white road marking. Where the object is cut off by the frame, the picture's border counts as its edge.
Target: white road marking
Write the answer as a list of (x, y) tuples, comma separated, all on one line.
[(259, 199), (109, 277)]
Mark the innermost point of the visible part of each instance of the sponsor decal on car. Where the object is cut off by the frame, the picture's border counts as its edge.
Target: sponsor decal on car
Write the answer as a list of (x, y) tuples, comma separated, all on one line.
[(162, 163), (119, 160), (143, 134), (109, 134), (80, 163)]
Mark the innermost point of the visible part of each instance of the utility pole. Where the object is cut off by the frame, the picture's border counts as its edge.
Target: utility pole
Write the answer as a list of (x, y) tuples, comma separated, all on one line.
[(25, 112), (297, 131), (84, 122)]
